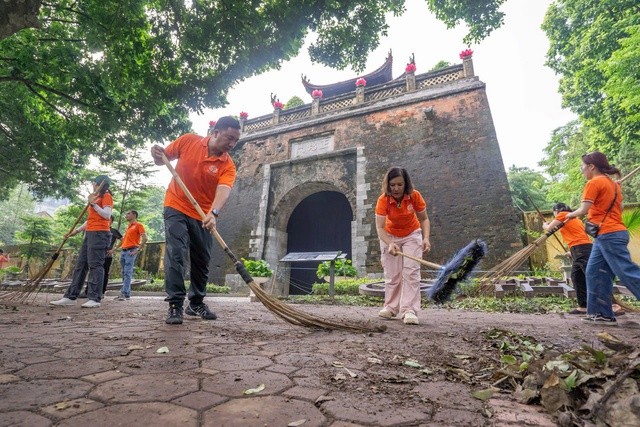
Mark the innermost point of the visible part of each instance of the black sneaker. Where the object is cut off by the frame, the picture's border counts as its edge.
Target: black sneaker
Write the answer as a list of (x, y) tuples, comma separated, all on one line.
[(201, 310), (174, 316), (598, 319)]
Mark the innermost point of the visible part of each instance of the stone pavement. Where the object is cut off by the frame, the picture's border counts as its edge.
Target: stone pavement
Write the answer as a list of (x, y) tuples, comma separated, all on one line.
[(69, 366)]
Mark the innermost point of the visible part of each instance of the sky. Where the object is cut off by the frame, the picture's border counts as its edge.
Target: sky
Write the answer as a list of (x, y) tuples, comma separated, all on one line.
[(522, 91)]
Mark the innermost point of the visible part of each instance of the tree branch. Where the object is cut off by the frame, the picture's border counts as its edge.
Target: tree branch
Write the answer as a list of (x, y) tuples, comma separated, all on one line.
[(61, 40), (77, 12), (46, 101)]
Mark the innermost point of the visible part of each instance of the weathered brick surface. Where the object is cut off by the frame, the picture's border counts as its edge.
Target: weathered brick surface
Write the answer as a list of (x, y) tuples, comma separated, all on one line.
[(453, 158)]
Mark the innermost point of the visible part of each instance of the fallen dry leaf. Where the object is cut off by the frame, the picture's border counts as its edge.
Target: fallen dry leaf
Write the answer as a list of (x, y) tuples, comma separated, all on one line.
[(255, 390)]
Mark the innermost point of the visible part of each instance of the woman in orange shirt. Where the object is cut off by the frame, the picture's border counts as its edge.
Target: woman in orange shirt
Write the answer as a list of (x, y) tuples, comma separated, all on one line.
[(602, 203), (403, 225), (580, 247), (94, 247)]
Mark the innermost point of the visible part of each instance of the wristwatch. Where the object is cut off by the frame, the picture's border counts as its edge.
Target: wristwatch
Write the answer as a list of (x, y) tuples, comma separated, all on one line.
[(215, 212)]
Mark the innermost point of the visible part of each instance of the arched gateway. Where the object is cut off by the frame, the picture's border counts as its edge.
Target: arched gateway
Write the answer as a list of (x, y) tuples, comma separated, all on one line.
[(310, 176)]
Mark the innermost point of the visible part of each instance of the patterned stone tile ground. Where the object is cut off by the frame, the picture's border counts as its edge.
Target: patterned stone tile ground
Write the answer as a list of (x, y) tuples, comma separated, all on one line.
[(70, 366)]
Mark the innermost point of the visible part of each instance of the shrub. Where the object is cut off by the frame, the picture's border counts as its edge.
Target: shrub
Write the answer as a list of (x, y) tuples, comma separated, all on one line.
[(342, 268), (341, 287), (259, 268)]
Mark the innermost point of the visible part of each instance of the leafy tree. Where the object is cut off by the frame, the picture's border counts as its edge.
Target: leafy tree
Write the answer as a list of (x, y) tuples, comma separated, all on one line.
[(37, 234), (148, 203), (440, 65), (592, 48), (481, 17), (63, 218), (93, 76), (295, 101), (131, 174), (528, 187), (19, 203), (99, 76), (562, 160)]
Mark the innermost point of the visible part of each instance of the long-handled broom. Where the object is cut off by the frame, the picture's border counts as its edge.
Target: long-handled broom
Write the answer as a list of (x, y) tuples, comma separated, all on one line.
[(29, 290), (491, 277), (455, 271), (280, 309)]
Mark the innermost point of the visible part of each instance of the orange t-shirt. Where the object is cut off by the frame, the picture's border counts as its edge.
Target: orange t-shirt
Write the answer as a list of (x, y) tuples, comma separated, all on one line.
[(573, 231), (94, 221), (132, 235), (401, 220), (201, 173), (600, 191)]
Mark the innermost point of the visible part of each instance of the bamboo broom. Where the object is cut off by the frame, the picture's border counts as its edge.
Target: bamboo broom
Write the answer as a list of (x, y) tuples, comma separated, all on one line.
[(277, 307), (29, 290)]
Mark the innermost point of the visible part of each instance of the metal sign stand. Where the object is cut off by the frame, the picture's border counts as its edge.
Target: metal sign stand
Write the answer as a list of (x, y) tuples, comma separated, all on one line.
[(318, 256)]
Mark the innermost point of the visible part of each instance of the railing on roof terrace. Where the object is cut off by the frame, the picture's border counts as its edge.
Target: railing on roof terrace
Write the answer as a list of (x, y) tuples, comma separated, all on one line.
[(393, 88)]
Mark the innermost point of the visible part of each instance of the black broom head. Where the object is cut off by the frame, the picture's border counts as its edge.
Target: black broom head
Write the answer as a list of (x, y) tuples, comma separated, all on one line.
[(457, 270)]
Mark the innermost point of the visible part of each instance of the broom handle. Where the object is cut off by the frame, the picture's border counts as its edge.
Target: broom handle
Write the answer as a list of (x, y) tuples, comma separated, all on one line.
[(195, 204), (421, 261), (629, 175)]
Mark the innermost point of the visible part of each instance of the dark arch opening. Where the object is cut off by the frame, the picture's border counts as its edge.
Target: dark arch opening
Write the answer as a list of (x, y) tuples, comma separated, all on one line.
[(321, 222)]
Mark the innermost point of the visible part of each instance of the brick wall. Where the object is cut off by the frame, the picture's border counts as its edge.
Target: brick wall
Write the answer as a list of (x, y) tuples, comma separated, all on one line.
[(443, 135)]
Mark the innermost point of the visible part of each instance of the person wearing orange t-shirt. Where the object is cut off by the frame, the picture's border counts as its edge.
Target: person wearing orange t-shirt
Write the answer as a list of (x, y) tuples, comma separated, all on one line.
[(403, 225), (602, 203), (209, 173), (3, 258), (94, 247), (133, 242), (579, 245)]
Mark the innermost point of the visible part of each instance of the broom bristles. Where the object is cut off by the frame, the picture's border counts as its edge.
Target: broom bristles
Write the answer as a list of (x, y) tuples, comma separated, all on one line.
[(457, 270)]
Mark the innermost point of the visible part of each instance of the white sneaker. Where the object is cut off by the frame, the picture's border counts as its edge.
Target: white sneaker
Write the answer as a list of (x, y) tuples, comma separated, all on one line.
[(90, 304), (410, 319), (63, 301), (386, 314)]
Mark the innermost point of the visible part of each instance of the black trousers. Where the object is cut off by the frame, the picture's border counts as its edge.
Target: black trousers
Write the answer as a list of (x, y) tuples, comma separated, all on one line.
[(107, 266), (91, 261), (580, 255), (185, 239)]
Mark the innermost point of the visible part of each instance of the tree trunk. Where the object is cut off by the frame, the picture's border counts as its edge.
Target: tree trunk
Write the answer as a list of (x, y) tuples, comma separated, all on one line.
[(18, 14)]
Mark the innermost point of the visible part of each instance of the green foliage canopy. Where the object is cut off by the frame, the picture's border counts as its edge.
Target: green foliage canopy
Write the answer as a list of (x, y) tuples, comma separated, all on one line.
[(528, 188), (99, 76), (594, 48)]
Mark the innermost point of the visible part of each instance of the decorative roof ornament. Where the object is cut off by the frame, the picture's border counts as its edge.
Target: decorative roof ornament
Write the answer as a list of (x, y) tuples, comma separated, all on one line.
[(361, 82), (411, 65), (467, 53), (317, 93), (275, 102), (212, 123), (244, 115), (380, 76)]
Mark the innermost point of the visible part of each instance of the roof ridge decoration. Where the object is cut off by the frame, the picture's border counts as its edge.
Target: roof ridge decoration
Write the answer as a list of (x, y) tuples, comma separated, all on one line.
[(380, 76)]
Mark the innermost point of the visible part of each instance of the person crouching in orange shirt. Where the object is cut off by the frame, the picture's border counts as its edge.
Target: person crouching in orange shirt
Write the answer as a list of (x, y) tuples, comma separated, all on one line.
[(403, 225)]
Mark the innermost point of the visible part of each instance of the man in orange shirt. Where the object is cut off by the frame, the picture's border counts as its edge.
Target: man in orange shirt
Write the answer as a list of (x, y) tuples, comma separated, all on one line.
[(208, 172), (133, 242), (94, 247)]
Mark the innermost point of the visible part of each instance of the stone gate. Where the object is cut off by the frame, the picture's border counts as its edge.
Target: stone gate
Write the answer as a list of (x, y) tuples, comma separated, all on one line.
[(437, 125)]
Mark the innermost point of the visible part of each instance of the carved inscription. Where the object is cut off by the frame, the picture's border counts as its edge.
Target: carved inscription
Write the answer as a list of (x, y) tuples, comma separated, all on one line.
[(312, 147)]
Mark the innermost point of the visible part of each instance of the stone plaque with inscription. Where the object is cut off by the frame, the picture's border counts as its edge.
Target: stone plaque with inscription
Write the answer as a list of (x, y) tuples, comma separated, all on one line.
[(312, 147)]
